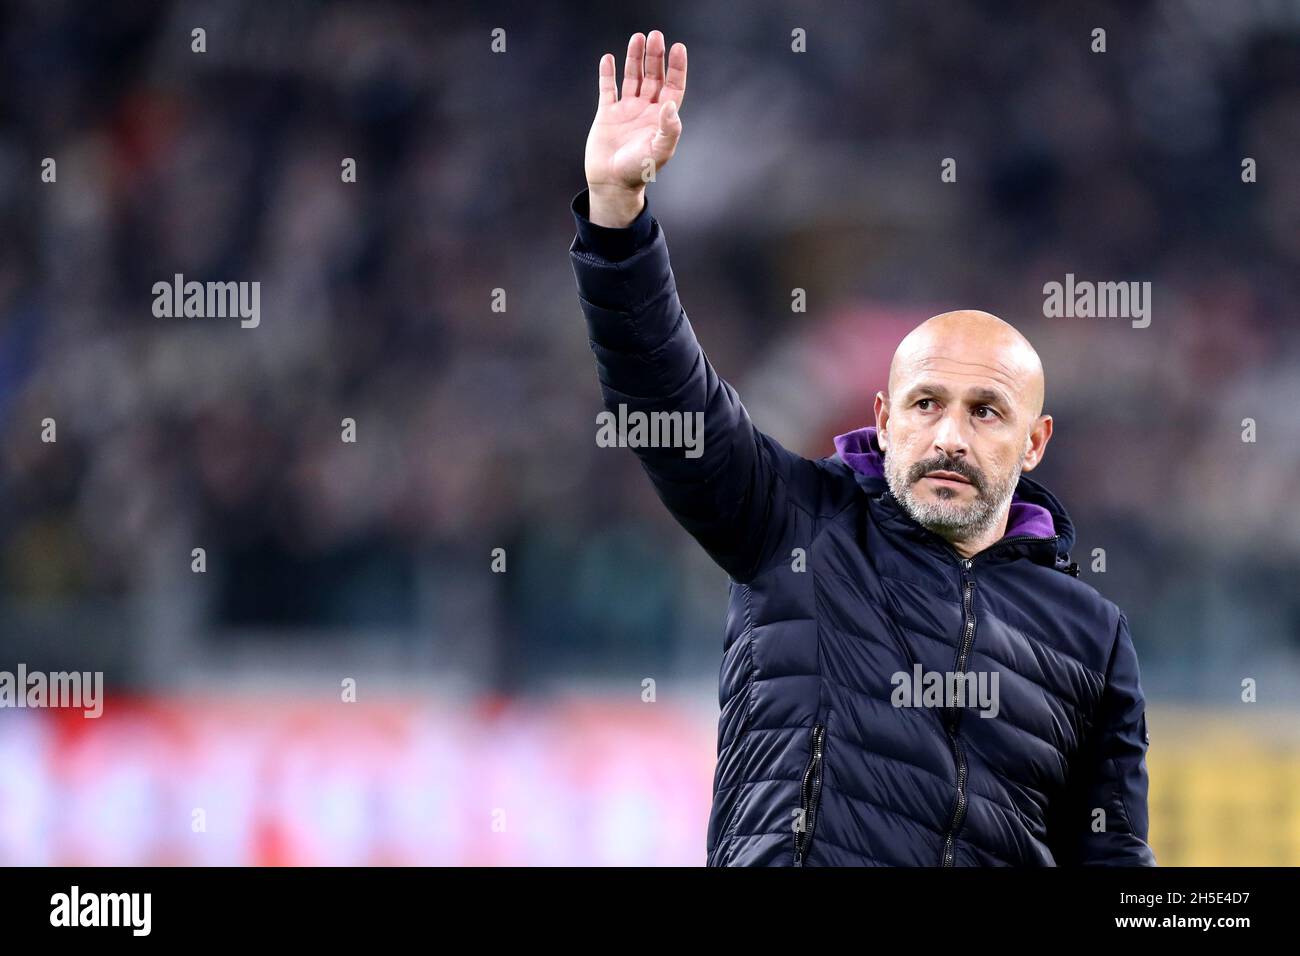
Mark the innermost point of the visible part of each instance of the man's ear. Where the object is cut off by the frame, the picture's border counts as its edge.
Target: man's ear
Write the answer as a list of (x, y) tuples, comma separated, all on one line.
[(1044, 427), (882, 419)]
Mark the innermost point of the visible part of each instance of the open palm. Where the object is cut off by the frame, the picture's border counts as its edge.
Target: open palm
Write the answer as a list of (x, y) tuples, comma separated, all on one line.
[(637, 133)]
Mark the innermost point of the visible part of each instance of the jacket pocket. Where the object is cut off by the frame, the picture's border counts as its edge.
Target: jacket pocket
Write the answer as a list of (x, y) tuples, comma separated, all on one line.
[(809, 795)]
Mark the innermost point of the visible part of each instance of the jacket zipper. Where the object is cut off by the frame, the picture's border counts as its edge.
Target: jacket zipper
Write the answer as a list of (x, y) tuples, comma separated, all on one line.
[(810, 794), (949, 851), (999, 544), (952, 714)]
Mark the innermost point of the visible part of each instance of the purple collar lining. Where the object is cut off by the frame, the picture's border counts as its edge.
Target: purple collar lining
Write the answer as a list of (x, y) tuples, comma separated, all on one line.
[(858, 449)]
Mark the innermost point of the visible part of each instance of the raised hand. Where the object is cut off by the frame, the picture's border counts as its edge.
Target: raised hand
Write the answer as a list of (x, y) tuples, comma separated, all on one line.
[(636, 133)]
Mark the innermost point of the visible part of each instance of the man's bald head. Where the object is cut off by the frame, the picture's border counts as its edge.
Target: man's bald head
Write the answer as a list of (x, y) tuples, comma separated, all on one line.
[(976, 339)]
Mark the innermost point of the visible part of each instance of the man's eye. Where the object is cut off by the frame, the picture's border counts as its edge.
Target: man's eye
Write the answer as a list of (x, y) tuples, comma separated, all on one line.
[(923, 401), (989, 407)]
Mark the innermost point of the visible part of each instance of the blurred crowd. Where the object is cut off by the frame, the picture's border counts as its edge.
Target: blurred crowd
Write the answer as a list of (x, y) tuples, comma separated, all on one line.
[(475, 426)]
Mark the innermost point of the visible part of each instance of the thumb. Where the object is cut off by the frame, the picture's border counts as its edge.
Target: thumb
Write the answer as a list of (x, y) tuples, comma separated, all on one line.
[(669, 121), (670, 127)]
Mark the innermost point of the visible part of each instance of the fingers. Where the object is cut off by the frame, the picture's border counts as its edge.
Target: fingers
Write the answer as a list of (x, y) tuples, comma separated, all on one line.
[(648, 79), (675, 83), (608, 88), (654, 67), (632, 65)]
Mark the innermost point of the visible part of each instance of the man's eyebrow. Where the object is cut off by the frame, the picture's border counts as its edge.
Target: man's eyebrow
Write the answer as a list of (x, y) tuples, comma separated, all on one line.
[(978, 393), (992, 396)]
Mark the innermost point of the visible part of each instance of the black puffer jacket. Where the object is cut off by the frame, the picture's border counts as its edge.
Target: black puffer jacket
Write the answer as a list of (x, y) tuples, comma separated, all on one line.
[(839, 601)]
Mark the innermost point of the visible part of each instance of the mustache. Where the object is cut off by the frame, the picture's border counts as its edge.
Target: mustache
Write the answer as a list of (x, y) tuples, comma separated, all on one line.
[(945, 464)]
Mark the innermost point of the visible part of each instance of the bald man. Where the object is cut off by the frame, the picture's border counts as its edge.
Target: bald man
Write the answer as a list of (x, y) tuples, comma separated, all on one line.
[(912, 672)]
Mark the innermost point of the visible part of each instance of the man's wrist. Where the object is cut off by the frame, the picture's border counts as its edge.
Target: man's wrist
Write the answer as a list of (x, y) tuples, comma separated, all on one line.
[(615, 207), (614, 244)]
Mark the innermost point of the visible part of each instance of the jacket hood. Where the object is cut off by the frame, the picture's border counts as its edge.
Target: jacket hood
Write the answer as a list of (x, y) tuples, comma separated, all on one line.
[(1034, 511)]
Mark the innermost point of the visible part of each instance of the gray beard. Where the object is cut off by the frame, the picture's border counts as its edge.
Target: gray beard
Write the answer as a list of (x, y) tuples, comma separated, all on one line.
[(951, 519)]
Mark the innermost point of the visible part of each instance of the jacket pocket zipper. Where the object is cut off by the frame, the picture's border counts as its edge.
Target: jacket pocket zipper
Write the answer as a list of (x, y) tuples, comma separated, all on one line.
[(810, 795)]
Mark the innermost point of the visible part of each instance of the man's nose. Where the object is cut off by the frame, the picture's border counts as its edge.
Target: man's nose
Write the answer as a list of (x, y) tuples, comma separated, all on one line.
[(950, 438)]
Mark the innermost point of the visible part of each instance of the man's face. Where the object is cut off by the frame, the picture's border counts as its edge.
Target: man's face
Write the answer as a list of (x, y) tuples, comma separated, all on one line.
[(958, 425), (962, 419)]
